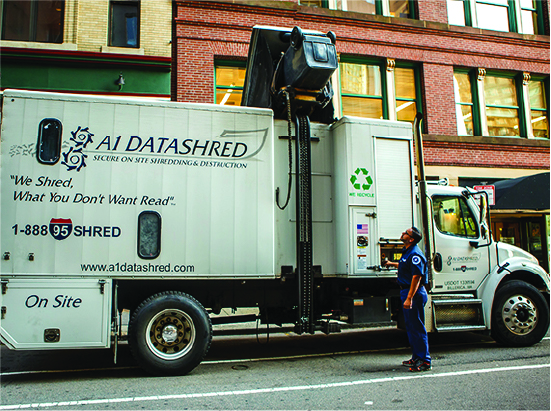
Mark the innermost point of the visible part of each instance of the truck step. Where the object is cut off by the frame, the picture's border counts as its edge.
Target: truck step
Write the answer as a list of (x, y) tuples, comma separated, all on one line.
[(458, 314)]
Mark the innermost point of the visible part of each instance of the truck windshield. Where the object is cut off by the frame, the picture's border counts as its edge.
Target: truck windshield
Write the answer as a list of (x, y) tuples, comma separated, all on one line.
[(453, 216)]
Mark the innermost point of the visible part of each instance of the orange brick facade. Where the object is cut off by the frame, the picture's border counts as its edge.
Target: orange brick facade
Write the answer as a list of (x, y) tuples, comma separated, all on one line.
[(208, 30)]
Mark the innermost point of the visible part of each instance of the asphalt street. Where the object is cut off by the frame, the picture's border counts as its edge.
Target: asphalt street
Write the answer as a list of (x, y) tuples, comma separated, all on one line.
[(356, 369)]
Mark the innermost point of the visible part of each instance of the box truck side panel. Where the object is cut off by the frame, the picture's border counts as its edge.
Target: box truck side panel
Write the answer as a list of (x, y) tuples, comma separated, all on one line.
[(373, 190), (139, 189), (56, 313)]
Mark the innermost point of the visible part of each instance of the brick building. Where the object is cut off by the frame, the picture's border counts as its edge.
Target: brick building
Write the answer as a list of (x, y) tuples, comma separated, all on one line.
[(83, 46), (478, 70)]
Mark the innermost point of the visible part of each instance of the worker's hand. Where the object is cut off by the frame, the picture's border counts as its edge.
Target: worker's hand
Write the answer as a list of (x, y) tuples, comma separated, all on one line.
[(407, 304)]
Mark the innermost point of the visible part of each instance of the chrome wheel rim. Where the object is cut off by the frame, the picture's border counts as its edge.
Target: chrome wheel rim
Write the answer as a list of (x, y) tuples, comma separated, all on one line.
[(171, 334), (519, 314)]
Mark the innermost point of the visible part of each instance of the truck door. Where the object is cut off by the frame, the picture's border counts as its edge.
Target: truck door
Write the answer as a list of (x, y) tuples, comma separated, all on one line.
[(459, 266)]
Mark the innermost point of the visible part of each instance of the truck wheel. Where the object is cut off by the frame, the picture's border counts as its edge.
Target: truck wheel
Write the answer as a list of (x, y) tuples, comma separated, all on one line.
[(170, 333), (520, 316)]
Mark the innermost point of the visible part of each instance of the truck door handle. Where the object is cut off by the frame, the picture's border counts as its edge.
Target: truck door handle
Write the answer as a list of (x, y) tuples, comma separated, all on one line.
[(438, 262)]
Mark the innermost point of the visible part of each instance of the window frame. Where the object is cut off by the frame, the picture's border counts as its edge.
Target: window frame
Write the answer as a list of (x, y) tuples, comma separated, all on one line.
[(112, 3), (521, 110), (514, 15), (55, 146), (382, 8), (546, 83), (462, 203), (417, 80), (139, 239), (475, 105), (384, 88), (33, 23), (231, 64)]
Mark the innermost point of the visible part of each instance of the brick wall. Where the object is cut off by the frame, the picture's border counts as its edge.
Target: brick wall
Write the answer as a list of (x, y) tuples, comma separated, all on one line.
[(438, 153), (92, 24), (87, 25), (439, 108), (432, 10), (209, 30)]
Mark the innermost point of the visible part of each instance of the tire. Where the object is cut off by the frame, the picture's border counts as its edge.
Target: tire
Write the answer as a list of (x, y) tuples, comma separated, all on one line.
[(170, 333), (520, 315)]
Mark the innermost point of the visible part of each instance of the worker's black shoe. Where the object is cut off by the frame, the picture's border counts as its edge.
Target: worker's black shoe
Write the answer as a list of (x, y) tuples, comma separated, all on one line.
[(409, 363), (421, 366)]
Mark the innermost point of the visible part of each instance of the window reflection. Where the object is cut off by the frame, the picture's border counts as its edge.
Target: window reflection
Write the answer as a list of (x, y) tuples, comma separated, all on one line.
[(361, 88), (361, 79), (229, 85), (493, 16), (463, 104), (399, 8), (502, 109), (360, 6), (538, 108), (33, 20), (453, 216), (529, 16), (406, 106), (456, 12)]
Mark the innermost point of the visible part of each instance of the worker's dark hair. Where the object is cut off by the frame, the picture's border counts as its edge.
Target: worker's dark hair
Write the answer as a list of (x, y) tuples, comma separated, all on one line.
[(416, 234)]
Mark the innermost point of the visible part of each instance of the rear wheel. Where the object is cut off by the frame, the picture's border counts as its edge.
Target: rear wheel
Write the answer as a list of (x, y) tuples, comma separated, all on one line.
[(170, 333), (520, 316)]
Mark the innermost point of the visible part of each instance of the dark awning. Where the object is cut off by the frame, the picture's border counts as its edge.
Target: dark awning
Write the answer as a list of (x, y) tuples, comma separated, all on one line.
[(523, 193)]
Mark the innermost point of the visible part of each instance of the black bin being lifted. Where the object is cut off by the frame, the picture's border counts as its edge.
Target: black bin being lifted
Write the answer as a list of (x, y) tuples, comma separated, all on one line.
[(310, 61), (293, 60)]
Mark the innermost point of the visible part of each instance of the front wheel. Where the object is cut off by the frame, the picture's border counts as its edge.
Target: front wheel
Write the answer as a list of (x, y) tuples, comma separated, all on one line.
[(520, 316), (170, 333)]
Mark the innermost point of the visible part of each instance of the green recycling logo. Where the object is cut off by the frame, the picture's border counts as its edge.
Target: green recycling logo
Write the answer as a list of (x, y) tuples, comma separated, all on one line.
[(361, 179)]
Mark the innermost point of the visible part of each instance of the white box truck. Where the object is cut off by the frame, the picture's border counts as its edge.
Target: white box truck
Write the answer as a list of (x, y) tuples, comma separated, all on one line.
[(170, 210)]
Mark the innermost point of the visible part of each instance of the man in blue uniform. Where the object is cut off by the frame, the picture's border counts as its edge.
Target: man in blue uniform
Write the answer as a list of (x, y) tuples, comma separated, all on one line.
[(412, 277)]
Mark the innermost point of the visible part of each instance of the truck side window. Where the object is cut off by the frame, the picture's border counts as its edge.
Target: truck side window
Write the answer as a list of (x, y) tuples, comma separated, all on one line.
[(149, 234), (453, 216), (49, 141)]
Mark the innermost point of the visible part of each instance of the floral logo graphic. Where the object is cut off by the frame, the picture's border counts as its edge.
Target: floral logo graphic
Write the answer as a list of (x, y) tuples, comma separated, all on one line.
[(74, 158)]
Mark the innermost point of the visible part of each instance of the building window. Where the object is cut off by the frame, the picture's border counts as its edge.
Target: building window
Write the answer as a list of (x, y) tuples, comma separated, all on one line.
[(522, 16), (400, 8), (406, 94), (33, 20), (229, 83), (502, 110), (360, 6), (361, 90), (493, 15), (315, 3), (538, 109), (529, 16), (392, 8), (456, 13), (124, 24), (463, 103), (501, 105), (369, 90)]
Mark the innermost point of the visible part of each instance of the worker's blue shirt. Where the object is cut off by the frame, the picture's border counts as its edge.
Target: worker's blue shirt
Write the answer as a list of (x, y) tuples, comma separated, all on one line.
[(413, 262)]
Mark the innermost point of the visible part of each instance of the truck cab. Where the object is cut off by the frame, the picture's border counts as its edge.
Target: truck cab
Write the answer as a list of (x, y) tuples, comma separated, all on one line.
[(481, 283)]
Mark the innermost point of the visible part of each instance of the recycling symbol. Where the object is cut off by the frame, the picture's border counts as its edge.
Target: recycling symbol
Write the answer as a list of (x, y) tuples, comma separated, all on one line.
[(361, 179)]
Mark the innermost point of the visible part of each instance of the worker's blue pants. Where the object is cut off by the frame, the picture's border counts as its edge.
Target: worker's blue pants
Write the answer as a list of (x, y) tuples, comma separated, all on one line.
[(415, 324)]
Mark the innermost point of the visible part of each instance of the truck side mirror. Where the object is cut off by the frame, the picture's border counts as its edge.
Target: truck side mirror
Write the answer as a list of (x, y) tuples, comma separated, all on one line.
[(483, 208)]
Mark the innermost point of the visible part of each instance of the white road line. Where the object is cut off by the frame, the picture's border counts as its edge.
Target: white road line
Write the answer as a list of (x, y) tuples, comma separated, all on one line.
[(267, 390)]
